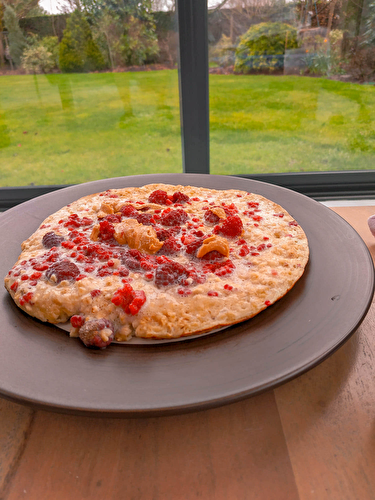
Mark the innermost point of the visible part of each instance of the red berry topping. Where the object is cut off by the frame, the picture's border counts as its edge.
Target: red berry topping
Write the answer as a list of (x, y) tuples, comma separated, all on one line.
[(145, 219), (26, 298), (130, 300), (95, 293), (179, 197), (129, 211), (77, 321), (52, 239), (170, 273), (231, 227), (159, 196), (170, 247), (212, 294), (62, 270), (113, 218), (174, 217), (107, 230), (14, 286), (210, 217), (97, 333)]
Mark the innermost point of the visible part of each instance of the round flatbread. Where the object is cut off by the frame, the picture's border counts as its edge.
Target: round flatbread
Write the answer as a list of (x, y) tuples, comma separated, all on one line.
[(159, 261)]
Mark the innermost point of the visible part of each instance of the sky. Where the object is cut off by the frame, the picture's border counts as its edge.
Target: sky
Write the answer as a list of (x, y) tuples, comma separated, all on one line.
[(54, 6)]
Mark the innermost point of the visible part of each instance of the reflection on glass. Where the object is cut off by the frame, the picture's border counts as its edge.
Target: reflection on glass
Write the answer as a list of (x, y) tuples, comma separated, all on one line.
[(291, 86), (89, 93)]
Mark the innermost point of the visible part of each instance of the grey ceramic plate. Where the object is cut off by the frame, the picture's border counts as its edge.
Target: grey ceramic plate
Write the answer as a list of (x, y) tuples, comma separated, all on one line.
[(41, 366)]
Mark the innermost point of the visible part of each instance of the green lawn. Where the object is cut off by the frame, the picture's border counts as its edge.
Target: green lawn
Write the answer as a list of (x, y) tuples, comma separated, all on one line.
[(59, 129)]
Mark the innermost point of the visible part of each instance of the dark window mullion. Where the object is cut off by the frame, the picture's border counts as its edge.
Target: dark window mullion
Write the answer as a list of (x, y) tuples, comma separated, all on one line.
[(193, 82)]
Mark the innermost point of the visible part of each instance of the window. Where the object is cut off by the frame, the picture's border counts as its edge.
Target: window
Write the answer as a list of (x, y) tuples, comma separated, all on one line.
[(264, 114)]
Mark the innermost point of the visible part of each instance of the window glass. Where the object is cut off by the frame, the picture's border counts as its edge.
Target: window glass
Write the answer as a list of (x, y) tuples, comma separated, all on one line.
[(291, 86), (88, 93)]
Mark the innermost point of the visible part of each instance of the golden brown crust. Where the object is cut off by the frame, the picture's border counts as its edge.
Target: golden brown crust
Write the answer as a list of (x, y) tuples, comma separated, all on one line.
[(228, 278)]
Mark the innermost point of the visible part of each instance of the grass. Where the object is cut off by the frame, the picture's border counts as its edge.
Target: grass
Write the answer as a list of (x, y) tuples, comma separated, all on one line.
[(60, 129)]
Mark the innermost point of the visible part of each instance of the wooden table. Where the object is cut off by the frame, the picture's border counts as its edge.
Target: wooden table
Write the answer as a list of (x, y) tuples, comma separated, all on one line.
[(312, 438)]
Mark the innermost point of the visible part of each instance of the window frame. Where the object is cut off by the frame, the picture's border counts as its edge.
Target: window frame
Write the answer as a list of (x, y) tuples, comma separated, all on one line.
[(192, 17)]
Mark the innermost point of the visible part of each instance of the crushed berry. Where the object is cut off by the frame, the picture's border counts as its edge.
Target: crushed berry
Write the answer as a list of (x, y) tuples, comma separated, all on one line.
[(14, 286), (77, 321), (281, 215), (52, 239), (67, 244), (184, 292), (228, 287), (174, 217), (107, 230), (179, 197), (129, 299), (170, 247), (63, 270), (293, 223), (159, 196), (95, 293), (231, 227), (170, 273), (267, 302), (244, 251), (145, 219), (212, 294), (26, 298)]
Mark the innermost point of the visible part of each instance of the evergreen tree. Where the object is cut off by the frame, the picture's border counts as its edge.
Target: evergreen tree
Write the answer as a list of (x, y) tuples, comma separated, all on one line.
[(78, 51), (16, 40)]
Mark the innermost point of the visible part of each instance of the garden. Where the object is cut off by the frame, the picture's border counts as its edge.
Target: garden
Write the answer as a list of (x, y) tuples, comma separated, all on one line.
[(100, 98)]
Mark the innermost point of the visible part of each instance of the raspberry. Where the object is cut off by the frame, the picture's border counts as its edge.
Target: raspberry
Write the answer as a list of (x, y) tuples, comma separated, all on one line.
[(159, 196), (107, 230), (163, 234), (170, 273), (174, 217), (179, 197), (97, 333), (170, 247), (210, 217), (113, 218), (77, 321), (62, 270), (231, 227), (132, 264), (95, 293), (220, 268), (192, 244), (130, 300), (145, 219), (52, 239), (26, 298), (230, 209), (129, 211), (212, 256)]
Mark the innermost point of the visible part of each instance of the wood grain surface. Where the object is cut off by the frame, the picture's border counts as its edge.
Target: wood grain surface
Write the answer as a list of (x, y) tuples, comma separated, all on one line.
[(312, 438)]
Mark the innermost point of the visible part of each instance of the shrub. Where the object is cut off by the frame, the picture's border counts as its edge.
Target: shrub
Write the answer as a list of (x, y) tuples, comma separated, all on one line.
[(139, 43), (37, 59), (51, 43), (263, 47), (78, 51)]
